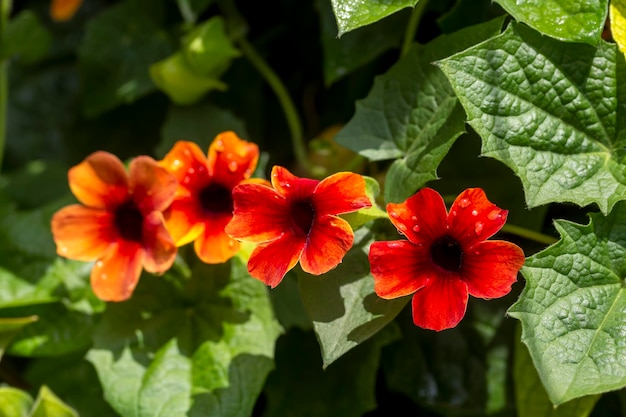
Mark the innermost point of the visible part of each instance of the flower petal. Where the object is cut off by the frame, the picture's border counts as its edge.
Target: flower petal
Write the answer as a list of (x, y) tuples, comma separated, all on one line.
[(339, 193), (473, 218), (83, 233), (114, 277), (329, 240), (490, 268), (159, 247), (152, 186), (214, 246), (183, 220), (187, 163), (441, 304), (63, 10), (260, 214), (231, 159), (290, 186), (399, 268), (100, 181), (422, 217), (270, 262)]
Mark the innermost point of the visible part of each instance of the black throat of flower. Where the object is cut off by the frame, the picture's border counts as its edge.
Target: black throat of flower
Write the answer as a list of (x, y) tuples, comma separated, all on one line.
[(216, 199), (447, 253), (129, 222)]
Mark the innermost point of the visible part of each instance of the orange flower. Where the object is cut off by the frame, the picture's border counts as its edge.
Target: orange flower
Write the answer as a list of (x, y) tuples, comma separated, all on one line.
[(63, 10), (203, 204), (120, 224), (296, 221)]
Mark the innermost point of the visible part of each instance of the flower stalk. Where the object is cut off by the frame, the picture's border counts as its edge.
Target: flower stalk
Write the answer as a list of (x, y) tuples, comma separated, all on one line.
[(411, 30)]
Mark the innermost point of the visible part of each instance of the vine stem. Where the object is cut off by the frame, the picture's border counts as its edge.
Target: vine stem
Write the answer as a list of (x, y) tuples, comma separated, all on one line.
[(411, 30), (5, 11), (529, 234), (293, 120)]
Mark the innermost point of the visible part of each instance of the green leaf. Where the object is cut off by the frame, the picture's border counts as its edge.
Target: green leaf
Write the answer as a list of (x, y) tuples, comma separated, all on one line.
[(208, 50), (49, 405), (572, 308), (9, 327), (363, 216), (200, 123), (412, 114), (567, 20), (352, 14), (300, 387), (553, 112), (343, 305), (355, 49), (531, 398), (14, 402), (176, 78), (192, 337), (26, 37), (119, 46)]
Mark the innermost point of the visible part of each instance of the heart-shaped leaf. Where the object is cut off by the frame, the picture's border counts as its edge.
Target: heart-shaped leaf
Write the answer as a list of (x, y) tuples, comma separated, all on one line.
[(553, 112), (352, 14), (573, 308)]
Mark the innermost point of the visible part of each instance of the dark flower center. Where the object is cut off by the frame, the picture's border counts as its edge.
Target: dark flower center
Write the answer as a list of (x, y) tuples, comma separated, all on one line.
[(302, 216), (447, 253), (129, 222), (216, 199)]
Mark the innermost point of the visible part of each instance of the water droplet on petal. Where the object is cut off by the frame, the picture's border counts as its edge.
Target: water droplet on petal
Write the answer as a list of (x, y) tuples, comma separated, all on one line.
[(285, 184), (176, 162), (474, 213), (464, 203), (478, 228), (233, 166), (231, 243), (494, 214), (394, 214), (99, 264), (453, 213), (414, 218), (476, 252), (191, 171), (186, 152), (64, 249), (218, 146), (416, 228)]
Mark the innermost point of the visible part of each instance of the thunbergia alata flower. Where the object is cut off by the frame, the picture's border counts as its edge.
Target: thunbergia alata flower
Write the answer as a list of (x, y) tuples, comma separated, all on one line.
[(62, 10), (296, 220), (446, 256), (120, 223), (203, 204)]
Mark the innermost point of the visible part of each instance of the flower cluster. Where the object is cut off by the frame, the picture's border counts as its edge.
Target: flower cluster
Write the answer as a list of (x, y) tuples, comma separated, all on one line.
[(136, 219)]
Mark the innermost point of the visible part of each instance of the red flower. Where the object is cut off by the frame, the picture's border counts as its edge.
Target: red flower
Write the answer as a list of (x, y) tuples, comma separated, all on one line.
[(296, 221), (445, 257), (120, 225), (203, 204)]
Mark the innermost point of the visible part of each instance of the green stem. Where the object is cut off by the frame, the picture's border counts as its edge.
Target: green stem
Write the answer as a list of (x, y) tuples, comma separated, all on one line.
[(5, 11), (529, 234), (411, 30), (293, 120)]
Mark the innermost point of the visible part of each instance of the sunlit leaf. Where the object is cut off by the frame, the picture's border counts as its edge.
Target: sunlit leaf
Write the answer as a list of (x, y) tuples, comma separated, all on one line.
[(49, 405), (412, 114), (573, 307), (352, 14), (617, 13), (14, 402), (191, 337), (552, 111), (9, 327), (567, 20), (530, 397)]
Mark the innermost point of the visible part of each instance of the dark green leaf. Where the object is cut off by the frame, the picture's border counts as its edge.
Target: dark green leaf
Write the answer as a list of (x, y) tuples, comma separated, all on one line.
[(300, 387), (119, 46), (567, 20), (9, 327), (26, 37), (553, 112), (572, 308), (412, 114), (343, 305)]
